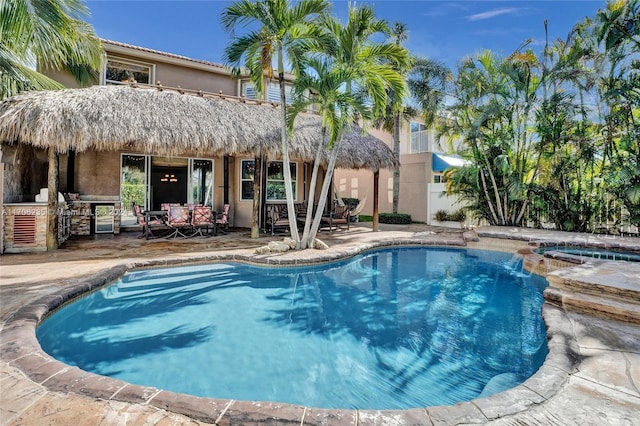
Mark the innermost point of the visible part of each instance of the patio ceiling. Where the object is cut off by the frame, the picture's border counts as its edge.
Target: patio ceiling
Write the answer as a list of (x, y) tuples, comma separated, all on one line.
[(108, 118)]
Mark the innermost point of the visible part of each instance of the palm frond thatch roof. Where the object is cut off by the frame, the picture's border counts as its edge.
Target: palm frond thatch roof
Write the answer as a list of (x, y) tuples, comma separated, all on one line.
[(108, 118)]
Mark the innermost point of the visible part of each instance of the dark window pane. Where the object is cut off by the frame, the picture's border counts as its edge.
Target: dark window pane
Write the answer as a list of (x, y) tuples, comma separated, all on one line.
[(123, 71), (248, 170), (247, 190)]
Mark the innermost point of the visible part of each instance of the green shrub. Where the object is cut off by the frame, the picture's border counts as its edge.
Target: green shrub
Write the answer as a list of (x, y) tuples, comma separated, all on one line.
[(132, 192), (365, 218), (458, 216), (445, 216), (442, 215), (395, 218)]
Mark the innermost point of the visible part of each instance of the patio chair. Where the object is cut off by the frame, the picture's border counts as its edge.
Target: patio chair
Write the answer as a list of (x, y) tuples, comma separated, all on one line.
[(277, 217), (147, 225), (202, 220), (223, 220), (166, 206), (339, 216), (178, 221)]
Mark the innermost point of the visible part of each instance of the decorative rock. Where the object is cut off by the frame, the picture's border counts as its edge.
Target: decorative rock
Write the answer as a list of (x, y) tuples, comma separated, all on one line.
[(320, 245), (263, 250), (290, 242), (278, 247)]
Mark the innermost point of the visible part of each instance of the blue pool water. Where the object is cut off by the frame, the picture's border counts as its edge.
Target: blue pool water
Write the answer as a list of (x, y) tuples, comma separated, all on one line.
[(595, 253), (390, 329)]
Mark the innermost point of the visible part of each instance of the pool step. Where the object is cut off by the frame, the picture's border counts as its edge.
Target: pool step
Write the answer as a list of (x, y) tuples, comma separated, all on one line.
[(610, 289)]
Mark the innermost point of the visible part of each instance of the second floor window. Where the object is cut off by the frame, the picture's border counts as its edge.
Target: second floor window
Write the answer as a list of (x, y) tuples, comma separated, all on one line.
[(121, 71), (273, 92), (419, 138)]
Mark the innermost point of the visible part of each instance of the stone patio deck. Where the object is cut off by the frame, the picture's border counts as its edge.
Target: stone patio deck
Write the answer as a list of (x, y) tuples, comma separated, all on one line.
[(591, 376)]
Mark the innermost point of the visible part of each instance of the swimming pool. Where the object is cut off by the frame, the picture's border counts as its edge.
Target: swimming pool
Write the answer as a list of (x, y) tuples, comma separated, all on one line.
[(595, 253), (390, 329)]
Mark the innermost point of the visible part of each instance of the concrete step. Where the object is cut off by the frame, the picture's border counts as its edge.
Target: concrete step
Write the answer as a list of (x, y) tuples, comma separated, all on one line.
[(609, 289), (597, 305)]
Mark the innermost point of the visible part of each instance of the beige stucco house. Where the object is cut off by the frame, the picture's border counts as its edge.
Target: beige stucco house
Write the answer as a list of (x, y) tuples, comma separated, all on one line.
[(100, 184)]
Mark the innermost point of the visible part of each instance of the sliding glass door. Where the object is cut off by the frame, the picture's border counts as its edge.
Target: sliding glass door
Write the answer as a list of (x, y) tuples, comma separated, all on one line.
[(201, 180), (150, 181), (134, 185)]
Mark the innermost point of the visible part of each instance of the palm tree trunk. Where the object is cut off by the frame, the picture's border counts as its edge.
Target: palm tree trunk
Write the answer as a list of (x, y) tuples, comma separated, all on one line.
[(494, 186), (307, 241), (396, 170), (325, 190), (293, 224), (488, 198), (52, 201)]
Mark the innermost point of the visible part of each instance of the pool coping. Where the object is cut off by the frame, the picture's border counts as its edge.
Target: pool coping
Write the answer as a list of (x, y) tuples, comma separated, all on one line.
[(20, 348)]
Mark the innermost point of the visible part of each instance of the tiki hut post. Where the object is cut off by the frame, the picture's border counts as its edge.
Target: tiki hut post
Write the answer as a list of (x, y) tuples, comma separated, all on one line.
[(257, 184), (376, 186), (1, 202), (52, 200)]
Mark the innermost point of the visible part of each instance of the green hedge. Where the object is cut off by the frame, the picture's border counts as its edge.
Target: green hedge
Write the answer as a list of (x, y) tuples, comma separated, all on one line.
[(395, 218)]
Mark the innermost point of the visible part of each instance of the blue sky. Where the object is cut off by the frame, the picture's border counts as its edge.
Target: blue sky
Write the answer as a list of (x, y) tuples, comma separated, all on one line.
[(441, 30)]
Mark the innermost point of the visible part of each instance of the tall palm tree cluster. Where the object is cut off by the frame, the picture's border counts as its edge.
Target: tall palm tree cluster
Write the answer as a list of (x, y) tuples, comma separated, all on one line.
[(553, 137), (341, 72)]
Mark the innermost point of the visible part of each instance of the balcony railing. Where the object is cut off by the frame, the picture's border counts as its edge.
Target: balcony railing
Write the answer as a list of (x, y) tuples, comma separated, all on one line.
[(421, 142)]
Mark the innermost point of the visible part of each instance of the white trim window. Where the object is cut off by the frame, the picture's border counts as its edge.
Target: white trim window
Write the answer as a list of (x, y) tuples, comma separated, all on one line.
[(118, 71), (247, 171), (275, 180)]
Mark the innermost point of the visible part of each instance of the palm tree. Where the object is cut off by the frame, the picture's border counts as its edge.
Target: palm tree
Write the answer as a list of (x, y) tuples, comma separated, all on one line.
[(282, 30), (426, 81), (353, 72), (400, 34), (50, 34), (494, 100), (322, 86), (619, 23)]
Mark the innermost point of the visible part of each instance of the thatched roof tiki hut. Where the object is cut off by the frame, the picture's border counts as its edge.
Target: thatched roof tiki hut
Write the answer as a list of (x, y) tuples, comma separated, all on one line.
[(103, 121)]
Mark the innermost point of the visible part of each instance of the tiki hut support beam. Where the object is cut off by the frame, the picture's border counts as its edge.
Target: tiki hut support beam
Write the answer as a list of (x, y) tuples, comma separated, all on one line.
[(1, 202), (226, 178), (376, 188), (71, 171), (52, 201), (257, 185)]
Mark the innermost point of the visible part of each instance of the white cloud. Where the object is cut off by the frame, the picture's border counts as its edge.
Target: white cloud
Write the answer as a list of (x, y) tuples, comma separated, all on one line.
[(491, 14), (444, 9)]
